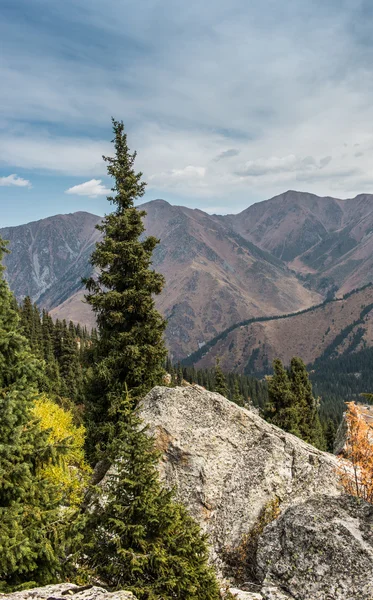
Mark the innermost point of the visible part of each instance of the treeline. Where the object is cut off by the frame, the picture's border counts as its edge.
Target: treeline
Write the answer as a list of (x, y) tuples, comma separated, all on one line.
[(63, 346), (342, 380), (240, 389)]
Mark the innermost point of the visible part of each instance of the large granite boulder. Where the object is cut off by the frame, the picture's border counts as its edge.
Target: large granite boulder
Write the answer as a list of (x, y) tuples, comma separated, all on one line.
[(320, 550), (63, 591), (226, 463)]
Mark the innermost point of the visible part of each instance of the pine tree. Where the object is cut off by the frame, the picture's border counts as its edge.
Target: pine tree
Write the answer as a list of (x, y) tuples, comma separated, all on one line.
[(29, 505), (139, 538), (330, 433), (179, 374), (291, 404), (310, 428), (220, 382), (130, 351), (237, 397), (281, 409)]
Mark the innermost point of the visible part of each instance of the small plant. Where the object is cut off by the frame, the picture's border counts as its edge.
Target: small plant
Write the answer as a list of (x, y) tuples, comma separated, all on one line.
[(356, 467)]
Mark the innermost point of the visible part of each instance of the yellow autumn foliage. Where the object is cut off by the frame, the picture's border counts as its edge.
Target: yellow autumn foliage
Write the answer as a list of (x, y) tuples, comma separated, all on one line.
[(71, 474)]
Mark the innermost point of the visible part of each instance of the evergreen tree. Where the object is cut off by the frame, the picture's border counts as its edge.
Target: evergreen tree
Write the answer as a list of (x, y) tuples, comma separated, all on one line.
[(330, 433), (179, 374), (307, 406), (291, 404), (70, 369), (139, 538), (281, 409), (237, 397), (220, 382), (130, 350), (29, 504)]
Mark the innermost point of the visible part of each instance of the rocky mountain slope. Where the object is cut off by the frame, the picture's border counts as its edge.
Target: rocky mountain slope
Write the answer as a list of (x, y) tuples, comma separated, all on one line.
[(327, 240), (49, 257), (336, 327), (214, 276)]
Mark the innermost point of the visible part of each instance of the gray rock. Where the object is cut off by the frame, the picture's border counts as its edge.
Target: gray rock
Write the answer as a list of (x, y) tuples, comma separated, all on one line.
[(320, 550), (340, 437), (241, 595), (273, 593), (63, 591), (227, 463)]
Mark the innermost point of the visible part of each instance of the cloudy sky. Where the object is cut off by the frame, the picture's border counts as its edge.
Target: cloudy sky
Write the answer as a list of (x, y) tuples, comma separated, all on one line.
[(227, 102)]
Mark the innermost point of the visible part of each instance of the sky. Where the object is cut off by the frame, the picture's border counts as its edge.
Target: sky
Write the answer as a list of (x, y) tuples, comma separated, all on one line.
[(227, 102)]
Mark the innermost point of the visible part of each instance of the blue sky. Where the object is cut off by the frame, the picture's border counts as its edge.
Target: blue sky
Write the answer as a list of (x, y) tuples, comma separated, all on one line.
[(227, 102)]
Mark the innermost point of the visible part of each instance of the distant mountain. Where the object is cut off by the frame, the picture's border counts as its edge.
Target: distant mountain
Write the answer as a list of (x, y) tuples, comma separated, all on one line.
[(335, 328), (328, 242), (49, 257), (277, 256), (214, 278)]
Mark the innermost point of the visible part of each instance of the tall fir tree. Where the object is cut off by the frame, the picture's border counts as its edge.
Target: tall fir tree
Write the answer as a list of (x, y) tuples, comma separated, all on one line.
[(291, 404), (139, 538), (220, 381), (237, 396), (130, 351), (29, 504), (281, 409), (307, 405)]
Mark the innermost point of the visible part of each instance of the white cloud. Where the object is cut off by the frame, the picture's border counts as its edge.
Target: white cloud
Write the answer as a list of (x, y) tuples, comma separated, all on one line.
[(66, 155), (92, 188), (217, 95), (284, 164), (14, 180), (188, 177)]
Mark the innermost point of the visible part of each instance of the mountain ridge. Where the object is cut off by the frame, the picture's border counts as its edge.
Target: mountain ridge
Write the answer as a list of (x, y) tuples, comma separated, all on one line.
[(219, 269)]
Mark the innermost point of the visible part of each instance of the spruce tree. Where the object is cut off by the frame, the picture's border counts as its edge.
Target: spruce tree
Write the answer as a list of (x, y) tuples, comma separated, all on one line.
[(307, 406), (130, 350), (281, 409), (291, 404), (179, 374), (330, 433), (237, 396), (220, 381), (138, 538), (29, 505)]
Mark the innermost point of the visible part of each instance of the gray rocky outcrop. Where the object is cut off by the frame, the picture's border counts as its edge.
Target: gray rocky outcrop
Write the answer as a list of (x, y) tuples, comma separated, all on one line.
[(63, 591), (227, 463), (320, 550)]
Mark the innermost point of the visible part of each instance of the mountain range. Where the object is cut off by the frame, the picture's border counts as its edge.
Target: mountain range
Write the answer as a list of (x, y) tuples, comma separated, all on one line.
[(279, 256)]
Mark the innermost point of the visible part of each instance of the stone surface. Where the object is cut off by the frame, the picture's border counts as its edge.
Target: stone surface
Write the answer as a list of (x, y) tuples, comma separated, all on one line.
[(320, 550), (273, 593), (63, 591), (227, 463), (241, 595)]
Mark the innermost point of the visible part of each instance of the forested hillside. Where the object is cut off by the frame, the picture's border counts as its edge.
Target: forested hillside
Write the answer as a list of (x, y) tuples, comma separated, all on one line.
[(335, 327)]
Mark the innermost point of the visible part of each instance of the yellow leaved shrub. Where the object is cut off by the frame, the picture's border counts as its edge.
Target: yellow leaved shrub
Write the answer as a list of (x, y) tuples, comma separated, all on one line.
[(71, 473)]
